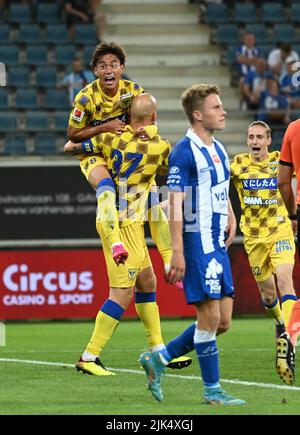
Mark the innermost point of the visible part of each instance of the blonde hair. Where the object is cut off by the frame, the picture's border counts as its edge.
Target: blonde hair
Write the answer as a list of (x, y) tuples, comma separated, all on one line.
[(193, 98), (262, 124)]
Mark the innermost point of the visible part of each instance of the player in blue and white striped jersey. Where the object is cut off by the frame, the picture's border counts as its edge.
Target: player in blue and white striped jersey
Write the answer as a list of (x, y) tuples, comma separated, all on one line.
[(200, 216)]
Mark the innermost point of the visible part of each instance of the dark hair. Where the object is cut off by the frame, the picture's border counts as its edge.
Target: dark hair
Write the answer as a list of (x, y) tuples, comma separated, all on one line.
[(108, 48)]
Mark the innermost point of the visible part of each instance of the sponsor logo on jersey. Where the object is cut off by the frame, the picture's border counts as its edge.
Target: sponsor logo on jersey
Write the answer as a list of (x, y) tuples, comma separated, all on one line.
[(207, 169), (174, 170), (78, 114), (260, 183), (257, 200)]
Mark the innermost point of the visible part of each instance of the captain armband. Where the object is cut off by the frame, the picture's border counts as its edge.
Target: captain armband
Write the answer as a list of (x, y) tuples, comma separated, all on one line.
[(87, 146)]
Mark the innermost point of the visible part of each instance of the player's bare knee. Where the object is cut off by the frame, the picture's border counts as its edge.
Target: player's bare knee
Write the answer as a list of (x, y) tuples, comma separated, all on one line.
[(224, 326), (146, 281)]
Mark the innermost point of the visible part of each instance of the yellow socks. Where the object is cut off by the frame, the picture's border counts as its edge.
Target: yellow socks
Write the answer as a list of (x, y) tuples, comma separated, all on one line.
[(107, 212), (106, 322), (274, 311), (287, 305), (147, 309)]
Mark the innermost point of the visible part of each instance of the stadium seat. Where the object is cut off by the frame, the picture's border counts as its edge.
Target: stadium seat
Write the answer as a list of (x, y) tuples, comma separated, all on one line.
[(45, 144), (26, 99), (87, 54), (266, 49), (61, 120), (57, 34), (56, 99), (47, 13), (19, 77), (277, 138), (65, 54), (15, 144), (37, 121), (5, 34), (295, 13), (37, 55), (29, 34), (46, 76), (228, 34), (8, 122), (4, 98), (20, 13), (260, 32), (86, 34), (272, 12), (284, 33), (245, 13), (231, 54), (9, 54), (217, 13)]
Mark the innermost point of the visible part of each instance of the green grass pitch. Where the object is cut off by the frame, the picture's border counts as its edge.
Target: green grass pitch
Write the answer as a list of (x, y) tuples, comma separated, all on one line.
[(247, 358)]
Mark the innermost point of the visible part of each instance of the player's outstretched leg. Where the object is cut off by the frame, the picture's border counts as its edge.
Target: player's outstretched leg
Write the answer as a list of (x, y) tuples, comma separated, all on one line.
[(285, 359), (154, 369)]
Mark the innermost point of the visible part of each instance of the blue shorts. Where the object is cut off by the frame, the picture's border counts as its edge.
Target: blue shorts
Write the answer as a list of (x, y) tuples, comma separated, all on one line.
[(208, 276)]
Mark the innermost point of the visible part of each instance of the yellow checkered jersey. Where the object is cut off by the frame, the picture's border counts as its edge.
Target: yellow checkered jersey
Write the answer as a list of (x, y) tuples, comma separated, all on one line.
[(133, 162), (93, 107), (262, 208)]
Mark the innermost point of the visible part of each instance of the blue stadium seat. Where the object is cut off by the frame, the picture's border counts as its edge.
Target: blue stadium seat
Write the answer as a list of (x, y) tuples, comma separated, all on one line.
[(86, 34), (45, 144), (228, 34), (272, 12), (20, 13), (19, 77), (217, 13), (87, 54), (57, 34), (26, 99), (37, 55), (231, 54), (56, 99), (15, 144), (29, 34), (46, 76), (47, 13), (277, 138), (245, 13), (266, 49), (295, 12), (260, 32), (4, 98), (61, 121), (8, 122), (65, 54), (5, 34), (9, 54), (37, 121), (284, 33)]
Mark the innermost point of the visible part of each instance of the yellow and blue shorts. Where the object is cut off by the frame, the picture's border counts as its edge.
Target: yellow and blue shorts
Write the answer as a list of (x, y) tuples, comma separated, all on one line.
[(266, 253), (133, 238)]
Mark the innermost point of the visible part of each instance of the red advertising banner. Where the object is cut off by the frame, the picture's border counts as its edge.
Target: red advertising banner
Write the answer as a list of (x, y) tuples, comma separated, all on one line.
[(63, 284), (69, 284)]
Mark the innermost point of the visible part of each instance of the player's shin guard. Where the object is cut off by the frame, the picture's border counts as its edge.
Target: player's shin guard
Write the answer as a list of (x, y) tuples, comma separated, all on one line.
[(287, 304), (106, 322), (208, 357), (147, 309), (107, 212)]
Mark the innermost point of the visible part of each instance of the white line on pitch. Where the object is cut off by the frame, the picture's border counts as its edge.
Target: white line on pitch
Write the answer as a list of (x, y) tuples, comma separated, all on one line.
[(139, 372)]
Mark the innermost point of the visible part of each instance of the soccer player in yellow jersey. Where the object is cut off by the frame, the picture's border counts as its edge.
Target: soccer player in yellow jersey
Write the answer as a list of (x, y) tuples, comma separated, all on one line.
[(102, 106), (268, 235), (133, 159)]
